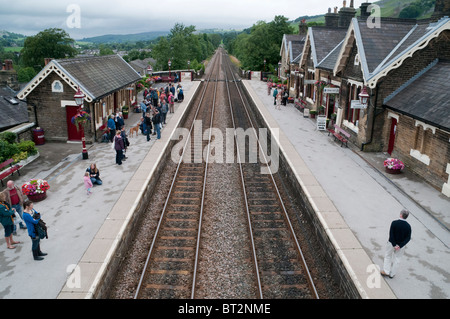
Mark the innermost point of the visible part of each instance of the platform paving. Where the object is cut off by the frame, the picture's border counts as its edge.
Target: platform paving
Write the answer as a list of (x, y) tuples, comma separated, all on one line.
[(75, 219), (368, 200)]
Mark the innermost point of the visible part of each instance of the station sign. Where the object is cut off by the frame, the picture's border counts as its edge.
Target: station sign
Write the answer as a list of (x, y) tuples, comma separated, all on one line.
[(356, 104), (331, 90)]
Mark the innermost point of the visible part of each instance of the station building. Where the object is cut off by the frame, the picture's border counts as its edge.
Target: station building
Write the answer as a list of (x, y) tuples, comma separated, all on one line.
[(403, 66)]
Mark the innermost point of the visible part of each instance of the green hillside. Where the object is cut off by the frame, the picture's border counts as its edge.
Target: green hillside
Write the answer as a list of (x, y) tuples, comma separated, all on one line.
[(416, 9)]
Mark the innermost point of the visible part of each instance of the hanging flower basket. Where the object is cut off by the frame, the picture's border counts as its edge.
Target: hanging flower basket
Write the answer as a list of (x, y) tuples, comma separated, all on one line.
[(81, 118), (393, 166)]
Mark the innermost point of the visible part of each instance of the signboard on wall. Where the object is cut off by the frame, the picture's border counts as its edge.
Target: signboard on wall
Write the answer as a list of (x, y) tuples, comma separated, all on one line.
[(356, 104), (331, 90)]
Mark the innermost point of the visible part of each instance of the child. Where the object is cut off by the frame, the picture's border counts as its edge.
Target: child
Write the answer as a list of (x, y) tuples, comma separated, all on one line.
[(88, 183)]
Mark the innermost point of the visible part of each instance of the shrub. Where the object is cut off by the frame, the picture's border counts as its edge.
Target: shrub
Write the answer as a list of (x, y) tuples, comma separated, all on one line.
[(19, 157), (8, 137), (27, 146), (7, 150)]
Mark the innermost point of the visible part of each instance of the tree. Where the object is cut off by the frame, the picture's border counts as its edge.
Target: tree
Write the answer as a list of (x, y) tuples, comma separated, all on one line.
[(50, 43), (261, 42)]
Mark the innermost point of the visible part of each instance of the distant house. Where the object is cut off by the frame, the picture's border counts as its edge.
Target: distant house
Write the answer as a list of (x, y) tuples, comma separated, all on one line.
[(108, 82), (142, 66), (14, 114)]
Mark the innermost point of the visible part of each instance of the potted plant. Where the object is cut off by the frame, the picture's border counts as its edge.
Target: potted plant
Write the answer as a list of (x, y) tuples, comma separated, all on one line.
[(393, 166), (125, 110), (312, 114), (35, 189)]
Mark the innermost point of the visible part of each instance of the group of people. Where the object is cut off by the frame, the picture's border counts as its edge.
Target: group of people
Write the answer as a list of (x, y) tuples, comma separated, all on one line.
[(15, 210), (91, 177), (280, 97)]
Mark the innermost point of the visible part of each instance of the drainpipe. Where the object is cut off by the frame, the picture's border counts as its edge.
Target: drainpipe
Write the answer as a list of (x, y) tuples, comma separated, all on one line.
[(373, 120)]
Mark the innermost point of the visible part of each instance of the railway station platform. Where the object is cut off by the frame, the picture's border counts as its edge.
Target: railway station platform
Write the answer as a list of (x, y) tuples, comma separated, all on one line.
[(82, 230), (368, 200)]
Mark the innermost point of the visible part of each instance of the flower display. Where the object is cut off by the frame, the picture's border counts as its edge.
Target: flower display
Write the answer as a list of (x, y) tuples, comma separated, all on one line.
[(81, 118), (35, 186), (393, 163)]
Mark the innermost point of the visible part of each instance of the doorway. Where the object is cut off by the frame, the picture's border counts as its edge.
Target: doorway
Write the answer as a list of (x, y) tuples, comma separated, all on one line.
[(392, 135), (72, 132)]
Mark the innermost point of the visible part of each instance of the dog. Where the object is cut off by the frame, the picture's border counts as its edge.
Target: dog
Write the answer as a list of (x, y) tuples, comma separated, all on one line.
[(134, 129)]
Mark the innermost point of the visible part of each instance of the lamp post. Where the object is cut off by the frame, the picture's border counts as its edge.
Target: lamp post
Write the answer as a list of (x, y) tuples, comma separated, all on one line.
[(169, 63), (364, 96), (79, 100)]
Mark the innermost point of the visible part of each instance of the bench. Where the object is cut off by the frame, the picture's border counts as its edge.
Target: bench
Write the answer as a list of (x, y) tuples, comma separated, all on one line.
[(339, 134), (300, 106), (168, 79), (10, 170)]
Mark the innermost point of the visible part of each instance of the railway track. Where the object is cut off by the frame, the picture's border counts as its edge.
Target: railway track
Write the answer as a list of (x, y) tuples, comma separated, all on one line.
[(171, 267), (280, 265)]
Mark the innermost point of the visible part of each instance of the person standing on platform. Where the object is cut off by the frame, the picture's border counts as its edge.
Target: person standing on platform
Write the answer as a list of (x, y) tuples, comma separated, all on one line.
[(157, 124), (112, 128), (14, 197), (6, 219), (399, 236), (119, 146), (275, 93), (147, 126), (31, 218)]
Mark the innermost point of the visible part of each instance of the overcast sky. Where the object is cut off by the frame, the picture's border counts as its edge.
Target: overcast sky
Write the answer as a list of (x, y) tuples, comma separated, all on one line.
[(86, 18)]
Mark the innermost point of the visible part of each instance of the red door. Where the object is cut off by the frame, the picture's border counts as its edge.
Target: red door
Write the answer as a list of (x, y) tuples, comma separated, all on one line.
[(392, 136), (72, 132)]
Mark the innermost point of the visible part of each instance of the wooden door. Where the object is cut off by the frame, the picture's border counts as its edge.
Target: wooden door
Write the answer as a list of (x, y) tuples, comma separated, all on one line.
[(72, 132), (392, 135)]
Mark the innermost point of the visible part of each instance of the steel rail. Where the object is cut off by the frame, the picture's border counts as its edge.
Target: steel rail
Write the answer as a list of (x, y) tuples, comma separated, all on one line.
[(299, 250), (255, 260), (204, 191), (188, 140)]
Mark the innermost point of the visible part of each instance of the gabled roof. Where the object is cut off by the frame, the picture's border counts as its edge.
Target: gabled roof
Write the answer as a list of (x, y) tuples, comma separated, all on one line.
[(321, 40), (96, 76), (13, 112), (384, 48), (425, 97), (293, 45)]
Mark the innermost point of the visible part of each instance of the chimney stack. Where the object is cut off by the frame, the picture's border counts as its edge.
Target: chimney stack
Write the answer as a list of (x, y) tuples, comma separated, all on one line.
[(8, 65), (47, 60), (332, 19), (363, 7), (303, 28), (441, 9), (346, 14)]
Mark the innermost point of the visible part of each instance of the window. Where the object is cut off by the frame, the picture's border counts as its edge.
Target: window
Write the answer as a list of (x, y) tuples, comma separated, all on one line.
[(353, 114), (356, 59), (57, 87), (424, 134)]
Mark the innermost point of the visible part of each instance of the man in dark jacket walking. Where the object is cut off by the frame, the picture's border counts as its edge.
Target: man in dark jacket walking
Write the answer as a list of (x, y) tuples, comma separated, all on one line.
[(399, 236)]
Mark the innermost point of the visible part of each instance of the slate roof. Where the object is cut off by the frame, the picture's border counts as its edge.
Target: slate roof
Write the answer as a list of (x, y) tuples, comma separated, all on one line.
[(324, 40), (13, 111), (329, 61), (425, 97), (294, 46), (379, 42), (101, 75)]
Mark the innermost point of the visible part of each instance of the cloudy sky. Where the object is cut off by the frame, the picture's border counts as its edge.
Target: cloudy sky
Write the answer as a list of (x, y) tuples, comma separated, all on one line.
[(85, 18)]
